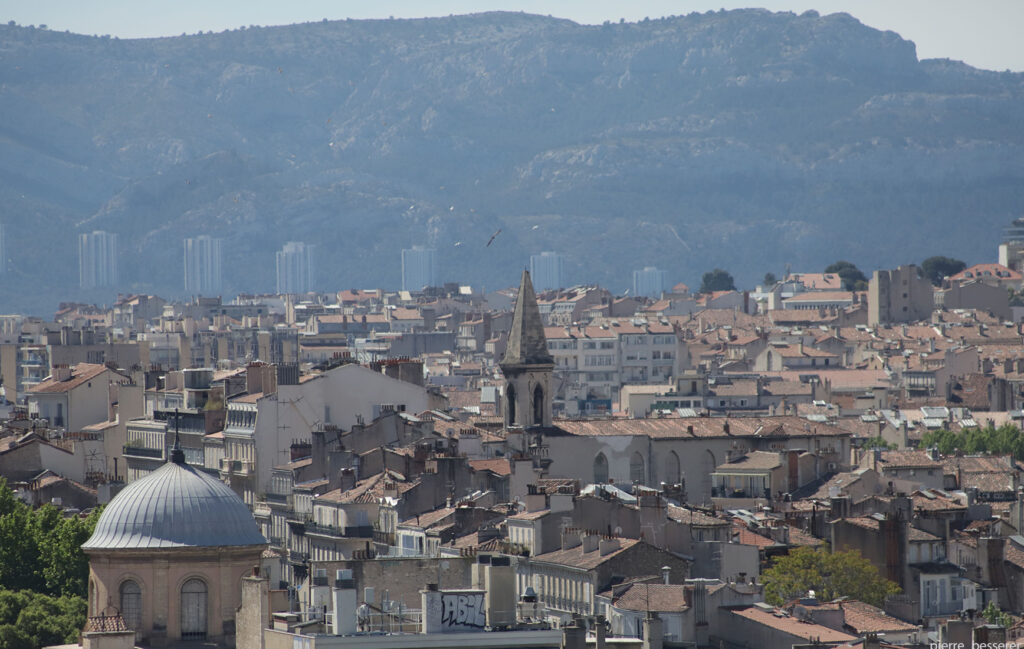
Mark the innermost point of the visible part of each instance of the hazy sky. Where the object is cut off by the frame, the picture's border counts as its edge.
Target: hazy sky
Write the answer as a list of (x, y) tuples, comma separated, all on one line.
[(983, 33)]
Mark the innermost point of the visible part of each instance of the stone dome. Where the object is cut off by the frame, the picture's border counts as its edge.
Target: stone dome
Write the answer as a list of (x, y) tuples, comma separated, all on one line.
[(176, 506)]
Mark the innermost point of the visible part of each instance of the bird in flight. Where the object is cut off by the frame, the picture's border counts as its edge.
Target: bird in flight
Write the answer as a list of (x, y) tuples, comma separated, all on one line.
[(493, 237)]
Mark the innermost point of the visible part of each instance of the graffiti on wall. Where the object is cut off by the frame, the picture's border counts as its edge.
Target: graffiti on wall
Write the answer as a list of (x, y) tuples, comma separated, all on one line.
[(463, 611)]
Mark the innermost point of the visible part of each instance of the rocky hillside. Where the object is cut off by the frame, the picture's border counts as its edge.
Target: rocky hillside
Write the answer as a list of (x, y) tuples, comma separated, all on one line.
[(745, 140)]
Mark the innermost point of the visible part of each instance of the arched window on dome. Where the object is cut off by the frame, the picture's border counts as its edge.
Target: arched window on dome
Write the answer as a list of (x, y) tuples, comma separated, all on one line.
[(193, 610), (131, 603)]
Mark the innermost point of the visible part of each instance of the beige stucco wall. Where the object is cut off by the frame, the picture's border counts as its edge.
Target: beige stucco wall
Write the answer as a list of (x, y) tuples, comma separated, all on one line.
[(162, 573)]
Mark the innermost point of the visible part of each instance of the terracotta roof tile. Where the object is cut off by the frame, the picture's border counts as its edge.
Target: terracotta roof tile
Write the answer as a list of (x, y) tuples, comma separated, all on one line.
[(744, 536), (652, 597), (792, 626), (577, 558), (909, 459), (79, 374), (670, 427), (865, 618), (499, 466), (691, 516)]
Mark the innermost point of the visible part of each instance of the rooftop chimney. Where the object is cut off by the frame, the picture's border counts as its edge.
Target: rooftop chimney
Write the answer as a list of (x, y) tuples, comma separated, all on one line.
[(345, 603), (61, 373), (607, 546)]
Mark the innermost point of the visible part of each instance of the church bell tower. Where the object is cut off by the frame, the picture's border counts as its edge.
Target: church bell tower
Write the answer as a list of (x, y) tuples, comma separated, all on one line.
[(527, 365)]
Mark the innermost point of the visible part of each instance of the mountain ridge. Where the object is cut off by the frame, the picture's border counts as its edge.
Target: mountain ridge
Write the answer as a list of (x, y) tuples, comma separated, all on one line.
[(757, 138)]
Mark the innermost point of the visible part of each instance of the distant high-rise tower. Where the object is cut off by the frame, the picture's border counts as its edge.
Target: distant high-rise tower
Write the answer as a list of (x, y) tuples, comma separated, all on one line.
[(649, 282), (419, 268), (295, 268), (547, 270), (97, 259), (1011, 251), (203, 265)]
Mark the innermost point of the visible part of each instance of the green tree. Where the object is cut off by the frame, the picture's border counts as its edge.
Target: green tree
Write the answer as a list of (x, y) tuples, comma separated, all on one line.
[(937, 268), (717, 280), (879, 442), (994, 615), (19, 566), (1005, 440), (52, 620), (11, 603), (11, 637), (769, 280), (42, 550), (853, 278), (65, 568), (829, 574)]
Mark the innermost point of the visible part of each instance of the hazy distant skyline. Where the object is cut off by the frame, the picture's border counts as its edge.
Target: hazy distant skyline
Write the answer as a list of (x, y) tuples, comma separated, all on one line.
[(984, 34)]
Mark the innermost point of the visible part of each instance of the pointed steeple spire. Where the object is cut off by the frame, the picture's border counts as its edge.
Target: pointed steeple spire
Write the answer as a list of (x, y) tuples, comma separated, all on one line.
[(177, 455), (526, 342)]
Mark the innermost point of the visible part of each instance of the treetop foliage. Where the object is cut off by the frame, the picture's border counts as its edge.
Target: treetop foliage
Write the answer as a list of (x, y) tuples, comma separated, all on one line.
[(879, 442), (1005, 440), (853, 278), (29, 620), (830, 575), (43, 573), (717, 280), (937, 268), (42, 549)]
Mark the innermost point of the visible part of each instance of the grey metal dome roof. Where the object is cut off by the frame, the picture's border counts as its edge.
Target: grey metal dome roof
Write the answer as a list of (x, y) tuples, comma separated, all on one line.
[(175, 506)]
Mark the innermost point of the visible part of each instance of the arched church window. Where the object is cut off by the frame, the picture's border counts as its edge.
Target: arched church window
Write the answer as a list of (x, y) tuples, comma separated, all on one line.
[(131, 603), (672, 470), (510, 401), (600, 469), (193, 610), (538, 406), (636, 468)]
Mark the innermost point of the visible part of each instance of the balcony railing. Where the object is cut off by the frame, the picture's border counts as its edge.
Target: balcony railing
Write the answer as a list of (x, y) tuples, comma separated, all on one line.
[(236, 467), (142, 451), (352, 531), (728, 492), (278, 499)]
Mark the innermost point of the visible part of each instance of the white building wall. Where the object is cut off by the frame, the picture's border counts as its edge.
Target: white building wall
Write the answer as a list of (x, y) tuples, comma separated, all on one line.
[(350, 391)]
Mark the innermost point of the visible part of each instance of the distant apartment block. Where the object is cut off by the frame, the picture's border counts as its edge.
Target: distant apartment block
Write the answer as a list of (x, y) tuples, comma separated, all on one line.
[(203, 274), (419, 268), (547, 271), (295, 268), (901, 295), (649, 282), (1011, 251), (97, 259)]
